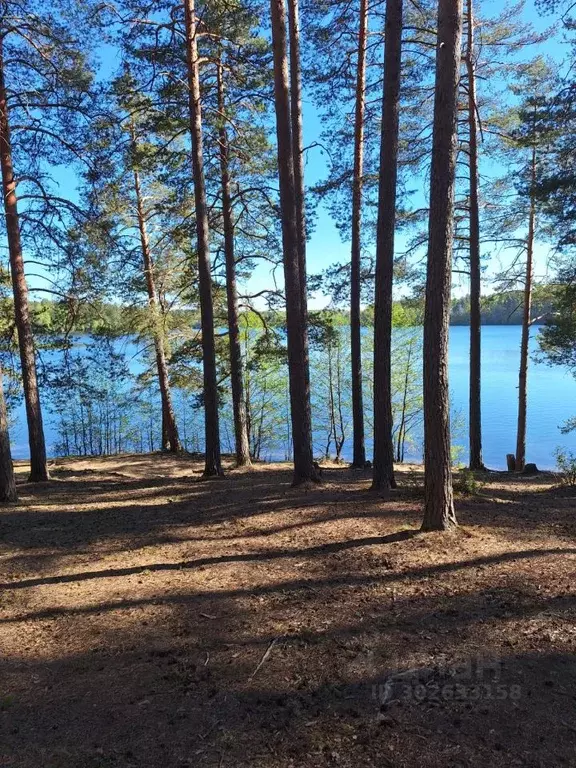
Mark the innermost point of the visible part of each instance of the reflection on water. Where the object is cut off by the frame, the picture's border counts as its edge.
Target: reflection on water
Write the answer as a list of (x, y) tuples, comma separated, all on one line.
[(551, 401)]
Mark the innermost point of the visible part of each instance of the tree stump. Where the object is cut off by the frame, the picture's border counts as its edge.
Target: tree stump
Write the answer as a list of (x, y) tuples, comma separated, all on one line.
[(530, 469)]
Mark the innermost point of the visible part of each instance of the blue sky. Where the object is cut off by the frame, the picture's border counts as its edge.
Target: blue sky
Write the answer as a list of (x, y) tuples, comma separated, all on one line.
[(326, 245)]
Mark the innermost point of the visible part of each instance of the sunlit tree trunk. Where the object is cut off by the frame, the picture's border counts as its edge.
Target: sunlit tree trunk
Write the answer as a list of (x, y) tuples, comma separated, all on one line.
[(170, 438), (213, 464), (7, 481), (341, 438), (383, 468), (438, 495), (236, 378), (331, 406), (298, 158), (475, 414), (298, 144), (297, 333), (403, 412), (38, 464), (359, 449), (526, 322)]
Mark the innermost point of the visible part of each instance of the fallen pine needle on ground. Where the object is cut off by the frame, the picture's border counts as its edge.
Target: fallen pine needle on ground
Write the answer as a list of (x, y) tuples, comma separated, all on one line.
[(152, 620)]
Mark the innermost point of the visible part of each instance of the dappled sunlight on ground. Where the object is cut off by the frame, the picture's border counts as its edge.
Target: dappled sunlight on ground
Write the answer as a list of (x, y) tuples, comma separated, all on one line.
[(151, 618)]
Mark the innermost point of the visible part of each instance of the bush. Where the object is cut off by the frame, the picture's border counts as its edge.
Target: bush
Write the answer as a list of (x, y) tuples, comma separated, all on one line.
[(566, 463), (456, 454), (466, 483)]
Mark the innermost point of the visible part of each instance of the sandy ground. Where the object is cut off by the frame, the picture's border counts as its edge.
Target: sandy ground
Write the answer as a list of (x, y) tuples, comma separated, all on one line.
[(152, 619)]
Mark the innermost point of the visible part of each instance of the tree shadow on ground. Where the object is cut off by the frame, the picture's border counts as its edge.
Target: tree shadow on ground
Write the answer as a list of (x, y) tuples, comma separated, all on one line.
[(417, 683), (152, 622), (119, 507), (150, 510)]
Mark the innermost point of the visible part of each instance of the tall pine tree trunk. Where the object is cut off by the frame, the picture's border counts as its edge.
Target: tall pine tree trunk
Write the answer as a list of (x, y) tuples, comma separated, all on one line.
[(359, 449), (165, 438), (236, 377), (213, 464), (383, 474), (438, 495), (298, 374), (526, 322), (298, 146), (170, 438), (7, 481), (298, 158), (475, 414), (38, 465)]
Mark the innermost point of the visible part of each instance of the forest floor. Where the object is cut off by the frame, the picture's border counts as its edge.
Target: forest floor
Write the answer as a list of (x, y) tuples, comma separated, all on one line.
[(149, 619)]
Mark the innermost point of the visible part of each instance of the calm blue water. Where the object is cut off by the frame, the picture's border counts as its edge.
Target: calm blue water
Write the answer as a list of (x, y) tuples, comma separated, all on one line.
[(551, 401), (551, 396)]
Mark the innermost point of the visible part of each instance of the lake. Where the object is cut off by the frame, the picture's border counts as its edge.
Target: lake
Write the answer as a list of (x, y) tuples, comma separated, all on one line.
[(551, 401), (551, 396)]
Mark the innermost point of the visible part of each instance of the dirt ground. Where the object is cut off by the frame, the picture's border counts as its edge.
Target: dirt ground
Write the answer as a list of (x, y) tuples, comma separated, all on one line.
[(152, 619)]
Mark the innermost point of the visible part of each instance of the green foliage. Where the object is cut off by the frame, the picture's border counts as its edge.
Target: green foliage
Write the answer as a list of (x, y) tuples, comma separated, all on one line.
[(90, 399), (113, 125), (466, 483), (266, 393), (558, 338), (49, 72), (407, 398), (568, 426), (330, 361), (505, 308), (566, 463), (456, 453), (556, 184)]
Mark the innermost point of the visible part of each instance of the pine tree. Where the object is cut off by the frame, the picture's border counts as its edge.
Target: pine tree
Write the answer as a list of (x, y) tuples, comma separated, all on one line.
[(494, 47), (524, 145), (383, 476), (297, 143), (170, 437), (7, 481), (475, 416), (38, 463), (236, 376), (213, 464), (526, 322), (46, 90), (530, 140), (438, 499), (304, 469), (136, 229), (359, 450), (556, 195)]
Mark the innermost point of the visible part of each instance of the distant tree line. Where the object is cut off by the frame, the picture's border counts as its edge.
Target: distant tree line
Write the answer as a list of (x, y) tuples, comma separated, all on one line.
[(506, 308), (186, 173)]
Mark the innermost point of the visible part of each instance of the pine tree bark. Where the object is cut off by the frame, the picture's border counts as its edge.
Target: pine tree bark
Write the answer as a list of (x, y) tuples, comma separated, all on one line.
[(298, 146), (170, 438), (358, 444), (165, 438), (7, 481), (213, 465), (298, 158), (297, 332), (475, 413), (38, 464), (438, 494), (383, 466), (526, 323), (236, 376)]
